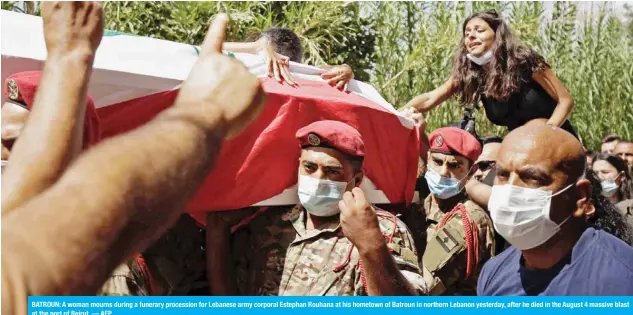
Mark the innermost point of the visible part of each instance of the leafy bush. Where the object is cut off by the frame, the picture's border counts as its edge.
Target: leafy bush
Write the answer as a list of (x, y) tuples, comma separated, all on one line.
[(406, 48)]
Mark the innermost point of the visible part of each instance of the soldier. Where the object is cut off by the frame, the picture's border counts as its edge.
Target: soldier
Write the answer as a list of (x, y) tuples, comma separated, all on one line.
[(67, 239), (460, 234), (334, 242), (131, 278), (19, 89)]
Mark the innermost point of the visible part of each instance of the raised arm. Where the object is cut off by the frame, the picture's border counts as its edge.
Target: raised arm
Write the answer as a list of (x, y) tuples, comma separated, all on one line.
[(360, 225), (550, 82), (35, 163), (427, 101), (119, 196)]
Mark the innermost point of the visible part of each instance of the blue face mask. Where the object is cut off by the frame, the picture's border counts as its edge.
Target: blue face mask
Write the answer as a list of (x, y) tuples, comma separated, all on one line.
[(442, 187)]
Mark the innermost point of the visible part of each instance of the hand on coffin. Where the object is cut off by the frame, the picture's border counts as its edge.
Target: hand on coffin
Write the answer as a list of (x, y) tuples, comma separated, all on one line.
[(219, 84), (416, 116), (72, 27), (339, 76), (278, 64)]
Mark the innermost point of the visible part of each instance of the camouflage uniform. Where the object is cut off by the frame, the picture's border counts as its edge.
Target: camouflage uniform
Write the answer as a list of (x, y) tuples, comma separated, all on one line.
[(276, 255), (173, 265), (446, 256)]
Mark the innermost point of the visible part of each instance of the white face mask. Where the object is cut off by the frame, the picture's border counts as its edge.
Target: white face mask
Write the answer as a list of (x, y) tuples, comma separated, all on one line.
[(4, 164), (320, 197), (481, 60), (522, 215), (609, 188)]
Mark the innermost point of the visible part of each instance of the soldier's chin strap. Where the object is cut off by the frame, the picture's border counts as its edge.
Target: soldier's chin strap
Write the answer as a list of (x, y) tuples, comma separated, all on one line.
[(472, 237)]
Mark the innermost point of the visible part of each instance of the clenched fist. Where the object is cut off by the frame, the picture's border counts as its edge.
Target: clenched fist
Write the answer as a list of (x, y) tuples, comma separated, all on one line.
[(72, 26), (221, 83), (359, 221)]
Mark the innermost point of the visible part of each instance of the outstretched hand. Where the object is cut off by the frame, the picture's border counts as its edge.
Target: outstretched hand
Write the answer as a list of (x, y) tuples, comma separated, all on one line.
[(221, 83), (277, 64), (416, 116)]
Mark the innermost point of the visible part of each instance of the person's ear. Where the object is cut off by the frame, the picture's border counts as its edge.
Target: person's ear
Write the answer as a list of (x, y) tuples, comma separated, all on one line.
[(620, 179), (584, 205)]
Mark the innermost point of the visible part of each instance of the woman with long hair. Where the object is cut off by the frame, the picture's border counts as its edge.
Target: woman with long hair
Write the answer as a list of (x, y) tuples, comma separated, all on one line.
[(614, 176), (514, 83), (606, 216)]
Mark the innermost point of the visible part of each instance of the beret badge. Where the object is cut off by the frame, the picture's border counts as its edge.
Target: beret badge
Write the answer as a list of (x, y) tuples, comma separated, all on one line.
[(314, 140)]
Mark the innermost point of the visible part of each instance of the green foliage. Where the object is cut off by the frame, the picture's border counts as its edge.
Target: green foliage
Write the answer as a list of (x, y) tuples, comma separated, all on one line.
[(406, 48), (11, 6), (331, 32), (590, 53)]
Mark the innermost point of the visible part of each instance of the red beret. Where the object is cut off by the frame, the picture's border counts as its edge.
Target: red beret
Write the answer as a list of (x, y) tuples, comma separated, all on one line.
[(21, 87), (333, 134), (451, 140)]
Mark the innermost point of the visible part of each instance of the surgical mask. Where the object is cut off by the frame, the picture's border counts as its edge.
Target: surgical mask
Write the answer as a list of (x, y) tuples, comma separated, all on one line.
[(4, 164), (320, 197), (442, 187), (609, 187), (522, 215), (484, 59)]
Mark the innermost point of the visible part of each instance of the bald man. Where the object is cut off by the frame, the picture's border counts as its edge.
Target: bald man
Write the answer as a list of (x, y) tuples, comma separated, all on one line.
[(553, 250)]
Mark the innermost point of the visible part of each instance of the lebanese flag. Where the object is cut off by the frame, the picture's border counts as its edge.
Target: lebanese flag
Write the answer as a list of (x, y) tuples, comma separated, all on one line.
[(135, 78)]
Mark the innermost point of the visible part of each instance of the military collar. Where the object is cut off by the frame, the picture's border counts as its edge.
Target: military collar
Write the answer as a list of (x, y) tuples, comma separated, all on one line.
[(431, 206), (298, 217)]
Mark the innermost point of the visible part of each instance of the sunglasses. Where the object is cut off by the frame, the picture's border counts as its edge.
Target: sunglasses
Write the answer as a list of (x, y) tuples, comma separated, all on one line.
[(485, 165)]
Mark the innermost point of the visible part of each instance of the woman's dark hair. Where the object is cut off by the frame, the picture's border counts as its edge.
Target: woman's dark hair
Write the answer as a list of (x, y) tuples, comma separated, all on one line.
[(626, 188), (506, 71), (607, 217), (285, 42)]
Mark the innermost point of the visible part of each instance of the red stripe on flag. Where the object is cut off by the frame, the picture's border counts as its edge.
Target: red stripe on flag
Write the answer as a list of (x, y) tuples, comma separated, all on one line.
[(263, 161)]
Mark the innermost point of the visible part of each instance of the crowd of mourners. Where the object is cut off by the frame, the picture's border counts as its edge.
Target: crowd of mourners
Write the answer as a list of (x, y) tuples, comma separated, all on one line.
[(532, 213)]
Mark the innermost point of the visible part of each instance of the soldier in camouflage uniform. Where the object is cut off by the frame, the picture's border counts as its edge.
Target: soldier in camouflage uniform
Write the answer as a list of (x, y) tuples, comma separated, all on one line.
[(173, 265), (20, 89), (460, 235), (334, 242)]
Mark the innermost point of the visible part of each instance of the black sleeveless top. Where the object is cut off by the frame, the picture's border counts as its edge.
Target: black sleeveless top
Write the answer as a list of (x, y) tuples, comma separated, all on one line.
[(530, 102)]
